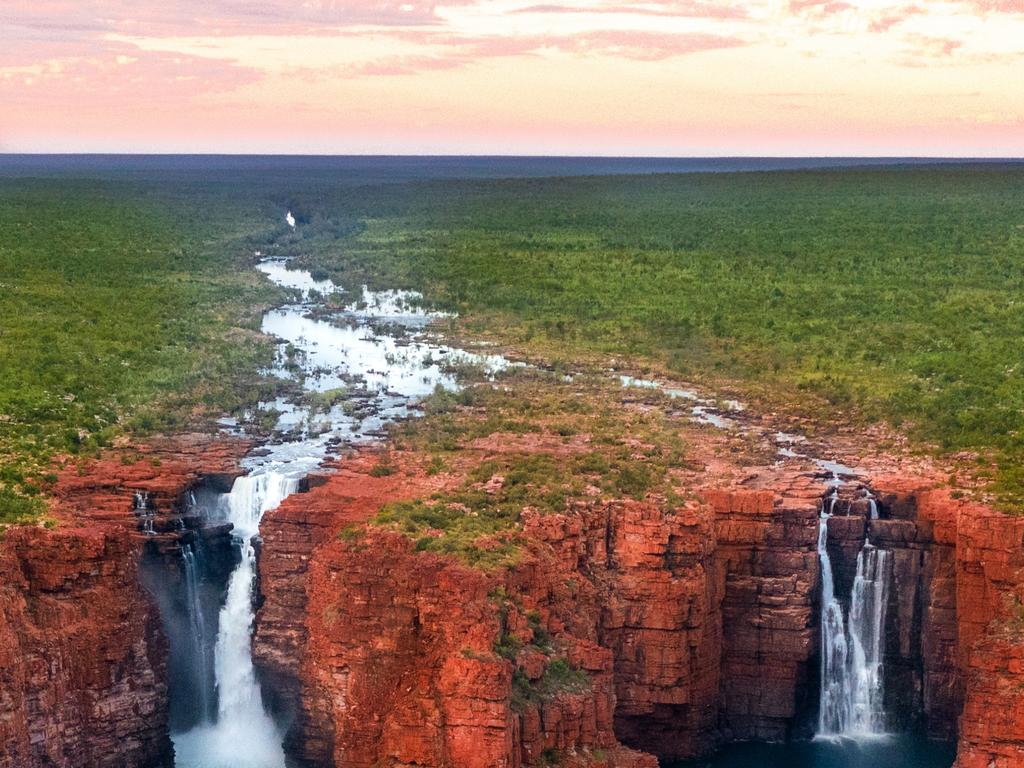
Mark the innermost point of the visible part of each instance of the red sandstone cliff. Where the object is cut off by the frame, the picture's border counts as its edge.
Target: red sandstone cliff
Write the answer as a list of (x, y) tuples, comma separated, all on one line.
[(82, 658), (696, 626), (82, 661), (990, 593), (396, 648), (679, 628), (973, 632)]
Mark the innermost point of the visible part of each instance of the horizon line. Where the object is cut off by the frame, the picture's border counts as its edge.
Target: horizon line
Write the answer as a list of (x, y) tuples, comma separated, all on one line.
[(527, 156)]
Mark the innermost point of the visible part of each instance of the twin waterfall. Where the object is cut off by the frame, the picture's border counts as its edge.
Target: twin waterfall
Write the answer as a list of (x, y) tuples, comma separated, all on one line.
[(852, 648)]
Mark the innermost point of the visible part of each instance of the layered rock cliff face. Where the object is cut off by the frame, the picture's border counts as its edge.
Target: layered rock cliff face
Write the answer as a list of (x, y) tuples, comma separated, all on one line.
[(83, 661), (626, 628), (688, 623), (954, 650), (397, 658), (694, 626), (990, 593), (768, 566)]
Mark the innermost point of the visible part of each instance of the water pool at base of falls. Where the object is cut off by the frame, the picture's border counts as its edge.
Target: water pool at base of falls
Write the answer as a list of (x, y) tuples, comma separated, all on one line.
[(883, 752)]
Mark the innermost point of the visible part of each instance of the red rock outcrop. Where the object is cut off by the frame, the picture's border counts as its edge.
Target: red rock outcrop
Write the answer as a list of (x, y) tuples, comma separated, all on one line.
[(990, 593), (82, 661), (971, 628), (365, 632), (768, 569), (82, 658), (695, 626), (394, 658), (647, 592)]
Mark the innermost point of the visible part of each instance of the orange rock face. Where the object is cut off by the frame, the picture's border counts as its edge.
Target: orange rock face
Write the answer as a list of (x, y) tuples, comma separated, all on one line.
[(625, 629), (394, 658), (694, 627), (390, 657), (83, 662), (768, 568), (973, 637), (990, 567)]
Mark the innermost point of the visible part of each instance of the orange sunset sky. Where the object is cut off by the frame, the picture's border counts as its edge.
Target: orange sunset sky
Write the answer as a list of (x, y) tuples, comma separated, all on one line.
[(610, 77)]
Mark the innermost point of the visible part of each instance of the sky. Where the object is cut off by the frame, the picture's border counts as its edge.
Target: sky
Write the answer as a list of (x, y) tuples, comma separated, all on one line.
[(595, 77)]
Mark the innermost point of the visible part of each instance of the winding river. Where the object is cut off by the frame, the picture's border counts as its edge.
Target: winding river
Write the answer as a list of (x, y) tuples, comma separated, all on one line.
[(369, 363)]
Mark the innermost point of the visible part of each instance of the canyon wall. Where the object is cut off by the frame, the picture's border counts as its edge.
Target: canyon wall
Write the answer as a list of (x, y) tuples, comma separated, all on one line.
[(692, 625), (695, 626), (83, 660), (384, 656), (990, 593), (768, 566), (625, 629)]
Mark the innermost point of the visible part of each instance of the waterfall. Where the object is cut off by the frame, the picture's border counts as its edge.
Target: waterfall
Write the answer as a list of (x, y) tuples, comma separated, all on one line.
[(852, 651), (872, 504), (867, 639), (242, 726), (197, 625), (832, 715)]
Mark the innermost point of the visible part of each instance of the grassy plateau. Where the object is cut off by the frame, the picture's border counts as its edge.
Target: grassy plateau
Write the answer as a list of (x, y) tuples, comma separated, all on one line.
[(127, 302), (122, 309), (890, 295)]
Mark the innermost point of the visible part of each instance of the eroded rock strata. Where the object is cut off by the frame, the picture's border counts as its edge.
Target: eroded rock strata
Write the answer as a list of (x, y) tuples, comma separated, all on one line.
[(83, 660), (630, 593), (694, 625), (625, 629)]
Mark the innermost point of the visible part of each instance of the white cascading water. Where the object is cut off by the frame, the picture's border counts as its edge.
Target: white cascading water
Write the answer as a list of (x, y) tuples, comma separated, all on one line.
[(242, 726), (385, 368), (872, 504), (198, 628), (867, 640), (851, 703)]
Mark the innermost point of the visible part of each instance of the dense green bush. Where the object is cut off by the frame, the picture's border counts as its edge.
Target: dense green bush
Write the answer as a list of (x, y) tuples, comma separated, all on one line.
[(892, 294), (120, 308)]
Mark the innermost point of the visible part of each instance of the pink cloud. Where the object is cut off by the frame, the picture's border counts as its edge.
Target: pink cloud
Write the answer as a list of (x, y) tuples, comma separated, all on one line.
[(119, 74), (463, 51), (997, 6), (889, 20), (819, 7), (933, 47), (452, 51), (675, 8), (646, 46), (924, 50), (87, 18)]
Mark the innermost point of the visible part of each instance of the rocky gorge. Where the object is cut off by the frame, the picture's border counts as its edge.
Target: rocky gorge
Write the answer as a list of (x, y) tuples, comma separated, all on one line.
[(619, 629), (692, 626)]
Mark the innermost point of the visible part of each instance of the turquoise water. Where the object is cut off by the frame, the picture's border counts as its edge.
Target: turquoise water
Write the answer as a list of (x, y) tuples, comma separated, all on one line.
[(887, 752)]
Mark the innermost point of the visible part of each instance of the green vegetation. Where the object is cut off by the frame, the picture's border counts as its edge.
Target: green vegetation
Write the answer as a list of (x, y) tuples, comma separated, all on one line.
[(122, 308), (893, 295), (558, 677), (612, 451), (897, 295)]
